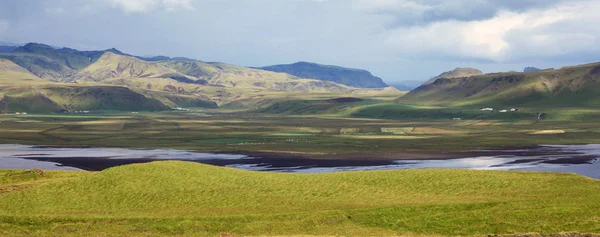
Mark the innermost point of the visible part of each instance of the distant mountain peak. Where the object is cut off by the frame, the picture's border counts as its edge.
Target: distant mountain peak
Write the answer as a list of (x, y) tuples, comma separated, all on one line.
[(32, 47), (458, 72), (531, 69), (346, 76)]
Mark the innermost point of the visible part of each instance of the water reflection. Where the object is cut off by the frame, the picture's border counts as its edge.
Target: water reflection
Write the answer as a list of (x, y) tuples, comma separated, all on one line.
[(581, 159)]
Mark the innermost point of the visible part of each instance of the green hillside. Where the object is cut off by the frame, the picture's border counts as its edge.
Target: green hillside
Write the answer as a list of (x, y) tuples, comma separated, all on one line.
[(179, 198), (346, 76), (305, 107), (218, 82), (575, 86), (56, 97), (21, 91), (50, 63), (174, 82), (11, 73)]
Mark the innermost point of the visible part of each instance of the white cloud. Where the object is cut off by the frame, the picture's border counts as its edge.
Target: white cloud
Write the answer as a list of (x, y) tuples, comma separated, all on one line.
[(140, 6), (508, 36)]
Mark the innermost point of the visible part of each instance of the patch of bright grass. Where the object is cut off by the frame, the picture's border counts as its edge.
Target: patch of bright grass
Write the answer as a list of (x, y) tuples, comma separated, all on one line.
[(180, 198)]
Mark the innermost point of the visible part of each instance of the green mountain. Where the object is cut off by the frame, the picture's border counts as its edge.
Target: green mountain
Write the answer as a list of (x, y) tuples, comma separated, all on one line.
[(217, 82), (161, 81), (50, 63), (456, 73), (568, 86), (346, 76), (22, 91)]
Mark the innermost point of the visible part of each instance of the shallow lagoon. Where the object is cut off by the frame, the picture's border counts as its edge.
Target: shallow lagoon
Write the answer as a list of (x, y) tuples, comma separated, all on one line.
[(580, 159)]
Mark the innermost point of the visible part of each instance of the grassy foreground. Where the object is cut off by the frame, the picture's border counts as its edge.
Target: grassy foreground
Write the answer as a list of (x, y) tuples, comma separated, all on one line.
[(190, 199)]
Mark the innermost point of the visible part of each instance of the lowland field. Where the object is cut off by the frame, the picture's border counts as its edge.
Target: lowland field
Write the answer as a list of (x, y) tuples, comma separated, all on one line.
[(375, 129)]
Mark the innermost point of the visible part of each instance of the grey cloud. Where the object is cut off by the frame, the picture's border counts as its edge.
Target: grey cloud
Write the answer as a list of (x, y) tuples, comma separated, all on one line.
[(263, 32), (431, 11)]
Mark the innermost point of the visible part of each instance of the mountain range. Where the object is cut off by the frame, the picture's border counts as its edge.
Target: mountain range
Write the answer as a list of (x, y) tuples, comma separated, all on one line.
[(341, 75), (58, 77)]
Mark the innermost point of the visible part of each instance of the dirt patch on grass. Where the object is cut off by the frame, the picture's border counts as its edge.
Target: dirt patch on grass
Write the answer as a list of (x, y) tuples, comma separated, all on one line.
[(431, 130), (547, 132)]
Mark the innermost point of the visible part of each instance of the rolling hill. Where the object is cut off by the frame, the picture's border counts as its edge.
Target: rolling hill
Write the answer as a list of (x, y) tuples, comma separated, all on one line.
[(568, 86), (173, 198), (59, 97), (346, 76)]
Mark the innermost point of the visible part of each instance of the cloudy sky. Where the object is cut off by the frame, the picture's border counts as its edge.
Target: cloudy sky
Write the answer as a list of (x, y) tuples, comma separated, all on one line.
[(399, 40)]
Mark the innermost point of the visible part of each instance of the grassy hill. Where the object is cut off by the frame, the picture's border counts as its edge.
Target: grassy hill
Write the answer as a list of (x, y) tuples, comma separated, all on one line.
[(52, 98), (341, 75), (179, 198), (11, 73), (575, 86)]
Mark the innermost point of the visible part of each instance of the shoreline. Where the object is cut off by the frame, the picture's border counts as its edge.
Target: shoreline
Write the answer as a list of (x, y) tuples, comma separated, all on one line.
[(407, 155), (291, 162), (411, 155)]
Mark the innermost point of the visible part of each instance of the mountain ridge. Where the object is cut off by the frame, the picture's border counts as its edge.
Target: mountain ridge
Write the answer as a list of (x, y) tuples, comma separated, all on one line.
[(568, 86), (174, 82), (342, 75)]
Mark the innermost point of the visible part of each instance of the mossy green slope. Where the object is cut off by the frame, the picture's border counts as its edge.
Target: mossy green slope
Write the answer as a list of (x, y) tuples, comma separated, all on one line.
[(568, 86), (55, 97), (22, 91), (195, 199)]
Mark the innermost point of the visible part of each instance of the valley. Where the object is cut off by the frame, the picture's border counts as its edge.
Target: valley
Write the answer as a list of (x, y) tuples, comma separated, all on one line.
[(299, 118), (182, 147)]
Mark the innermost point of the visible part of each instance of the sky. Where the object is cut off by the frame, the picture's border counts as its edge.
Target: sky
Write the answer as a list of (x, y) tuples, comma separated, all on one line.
[(402, 41)]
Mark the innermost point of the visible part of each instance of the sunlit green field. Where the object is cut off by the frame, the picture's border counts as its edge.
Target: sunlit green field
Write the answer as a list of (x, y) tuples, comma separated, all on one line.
[(215, 131), (190, 199)]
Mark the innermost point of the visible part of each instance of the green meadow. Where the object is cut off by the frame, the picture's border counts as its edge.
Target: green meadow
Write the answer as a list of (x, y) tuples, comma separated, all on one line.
[(360, 128), (190, 199)]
